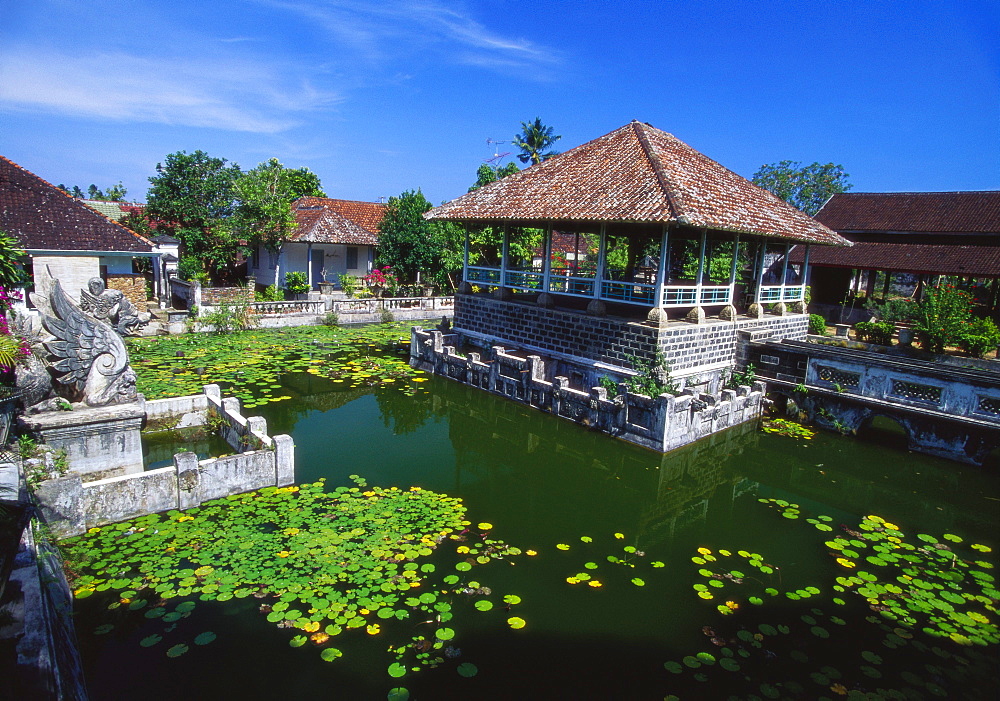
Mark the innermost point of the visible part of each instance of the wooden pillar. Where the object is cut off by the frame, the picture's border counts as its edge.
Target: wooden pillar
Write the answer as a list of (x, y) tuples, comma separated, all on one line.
[(503, 258), (309, 264), (885, 286), (661, 265), (547, 262), (465, 258), (602, 259)]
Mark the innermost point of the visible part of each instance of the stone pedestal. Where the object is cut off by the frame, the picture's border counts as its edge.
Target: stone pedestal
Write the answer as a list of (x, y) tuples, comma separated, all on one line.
[(99, 442)]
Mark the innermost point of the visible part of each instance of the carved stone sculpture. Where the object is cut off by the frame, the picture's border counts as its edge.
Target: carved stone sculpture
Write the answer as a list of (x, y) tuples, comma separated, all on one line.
[(86, 357), (111, 307)]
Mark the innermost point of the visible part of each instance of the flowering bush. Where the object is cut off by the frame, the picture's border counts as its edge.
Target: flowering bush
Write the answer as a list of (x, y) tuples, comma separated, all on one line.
[(12, 348), (384, 278)]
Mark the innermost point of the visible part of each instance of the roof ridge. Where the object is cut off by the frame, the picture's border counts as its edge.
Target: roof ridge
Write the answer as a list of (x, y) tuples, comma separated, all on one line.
[(78, 203), (674, 200)]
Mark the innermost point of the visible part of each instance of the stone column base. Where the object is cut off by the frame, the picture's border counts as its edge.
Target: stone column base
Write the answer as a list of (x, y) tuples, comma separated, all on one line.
[(597, 308), (100, 442), (728, 313), (756, 311), (657, 316), (696, 315), (545, 300)]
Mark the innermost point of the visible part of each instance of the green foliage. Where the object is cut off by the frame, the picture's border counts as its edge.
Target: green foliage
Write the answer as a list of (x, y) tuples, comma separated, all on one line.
[(190, 268), (817, 325), (193, 195), (897, 310), (348, 284), (789, 429), (13, 260), (608, 384), (386, 316), (271, 293), (264, 195), (653, 379), (331, 319), (877, 332), (736, 378), (408, 243), (534, 141), (115, 193), (805, 187), (232, 316), (296, 282), (980, 337), (942, 317), (487, 174)]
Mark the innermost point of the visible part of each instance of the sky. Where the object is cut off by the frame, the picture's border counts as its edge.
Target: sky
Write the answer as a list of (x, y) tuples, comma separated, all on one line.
[(381, 97)]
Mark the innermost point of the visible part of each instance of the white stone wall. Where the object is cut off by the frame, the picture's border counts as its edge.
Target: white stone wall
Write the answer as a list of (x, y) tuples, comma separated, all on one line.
[(73, 272)]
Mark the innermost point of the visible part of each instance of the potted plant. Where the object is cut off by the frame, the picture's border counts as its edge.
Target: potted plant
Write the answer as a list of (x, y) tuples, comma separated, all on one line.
[(296, 285)]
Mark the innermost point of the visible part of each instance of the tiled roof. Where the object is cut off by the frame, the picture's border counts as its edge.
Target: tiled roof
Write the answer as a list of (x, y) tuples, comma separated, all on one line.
[(43, 217), (932, 212), (324, 220), (908, 258), (637, 174)]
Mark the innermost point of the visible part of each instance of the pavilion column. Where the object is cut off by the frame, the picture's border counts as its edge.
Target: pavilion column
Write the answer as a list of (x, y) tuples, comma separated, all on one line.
[(756, 310), (503, 292), (597, 307), (781, 307), (309, 267), (658, 315), (465, 287), (729, 312), (697, 315), (545, 299)]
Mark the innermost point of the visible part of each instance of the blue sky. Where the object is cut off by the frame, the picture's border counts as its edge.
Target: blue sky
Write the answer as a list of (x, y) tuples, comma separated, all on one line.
[(378, 97)]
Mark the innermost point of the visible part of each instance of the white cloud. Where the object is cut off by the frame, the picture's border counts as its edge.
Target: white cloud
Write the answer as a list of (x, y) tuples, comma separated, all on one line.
[(376, 30), (228, 94)]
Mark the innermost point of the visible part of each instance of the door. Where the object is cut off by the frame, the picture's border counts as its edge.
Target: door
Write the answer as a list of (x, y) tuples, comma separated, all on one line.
[(316, 266)]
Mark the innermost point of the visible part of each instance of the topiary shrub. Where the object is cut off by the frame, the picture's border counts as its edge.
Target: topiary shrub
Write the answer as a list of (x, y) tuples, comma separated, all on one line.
[(981, 337), (817, 325), (877, 332)]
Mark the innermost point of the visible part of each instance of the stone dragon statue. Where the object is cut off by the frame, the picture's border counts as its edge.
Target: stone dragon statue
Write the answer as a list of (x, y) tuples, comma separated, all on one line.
[(86, 358)]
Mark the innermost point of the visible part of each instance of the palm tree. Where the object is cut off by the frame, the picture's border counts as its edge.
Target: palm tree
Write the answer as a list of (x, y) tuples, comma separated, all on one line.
[(533, 141)]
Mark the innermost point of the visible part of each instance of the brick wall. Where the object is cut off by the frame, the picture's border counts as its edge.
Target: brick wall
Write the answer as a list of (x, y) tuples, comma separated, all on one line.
[(612, 340), (211, 296), (133, 286)]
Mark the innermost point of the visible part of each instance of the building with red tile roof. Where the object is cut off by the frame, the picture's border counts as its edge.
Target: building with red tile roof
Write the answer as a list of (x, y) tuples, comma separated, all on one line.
[(65, 238), (331, 235), (917, 233)]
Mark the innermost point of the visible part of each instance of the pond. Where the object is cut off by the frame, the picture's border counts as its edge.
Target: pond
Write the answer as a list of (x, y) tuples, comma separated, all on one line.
[(599, 570)]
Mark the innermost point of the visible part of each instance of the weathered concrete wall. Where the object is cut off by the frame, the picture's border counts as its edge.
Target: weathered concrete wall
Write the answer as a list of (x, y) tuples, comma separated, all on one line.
[(99, 442), (661, 423), (73, 273), (122, 498), (48, 662), (178, 412)]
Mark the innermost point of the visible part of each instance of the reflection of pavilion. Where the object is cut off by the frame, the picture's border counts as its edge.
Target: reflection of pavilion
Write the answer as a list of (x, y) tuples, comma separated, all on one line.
[(649, 235)]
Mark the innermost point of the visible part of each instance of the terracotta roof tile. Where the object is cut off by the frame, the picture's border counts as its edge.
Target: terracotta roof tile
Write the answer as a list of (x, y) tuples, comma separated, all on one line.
[(43, 217), (325, 220), (637, 174), (909, 258), (931, 212)]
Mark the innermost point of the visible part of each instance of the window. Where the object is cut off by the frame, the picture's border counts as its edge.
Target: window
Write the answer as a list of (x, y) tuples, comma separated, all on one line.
[(352, 258)]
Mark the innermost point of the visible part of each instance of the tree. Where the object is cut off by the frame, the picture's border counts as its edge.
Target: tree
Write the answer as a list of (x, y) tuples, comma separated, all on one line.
[(193, 195), (489, 174), (264, 199), (807, 188), (13, 261), (534, 140), (407, 242)]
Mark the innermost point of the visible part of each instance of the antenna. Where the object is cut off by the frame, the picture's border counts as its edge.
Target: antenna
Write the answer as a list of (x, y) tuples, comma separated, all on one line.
[(497, 157)]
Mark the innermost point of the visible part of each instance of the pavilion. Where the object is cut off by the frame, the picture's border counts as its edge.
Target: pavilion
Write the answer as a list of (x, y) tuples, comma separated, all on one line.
[(670, 252)]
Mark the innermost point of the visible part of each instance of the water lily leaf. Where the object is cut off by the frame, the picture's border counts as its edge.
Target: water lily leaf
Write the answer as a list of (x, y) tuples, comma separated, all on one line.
[(444, 633), (467, 669), (331, 653), (516, 623), (103, 629), (150, 640), (396, 670), (399, 693), (484, 605), (177, 650)]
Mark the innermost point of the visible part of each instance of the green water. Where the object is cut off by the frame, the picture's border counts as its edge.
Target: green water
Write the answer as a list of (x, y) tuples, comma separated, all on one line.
[(543, 481)]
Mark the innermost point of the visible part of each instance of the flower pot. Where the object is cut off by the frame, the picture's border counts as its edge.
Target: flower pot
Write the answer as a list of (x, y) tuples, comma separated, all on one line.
[(326, 288), (906, 335)]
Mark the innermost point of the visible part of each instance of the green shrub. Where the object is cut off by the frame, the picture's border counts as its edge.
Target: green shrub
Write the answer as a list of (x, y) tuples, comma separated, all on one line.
[(652, 380), (348, 283), (817, 325), (981, 336), (737, 379), (232, 316), (296, 282), (609, 384), (942, 317), (331, 319), (190, 268), (271, 293), (877, 332), (899, 310), (387, 317)]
